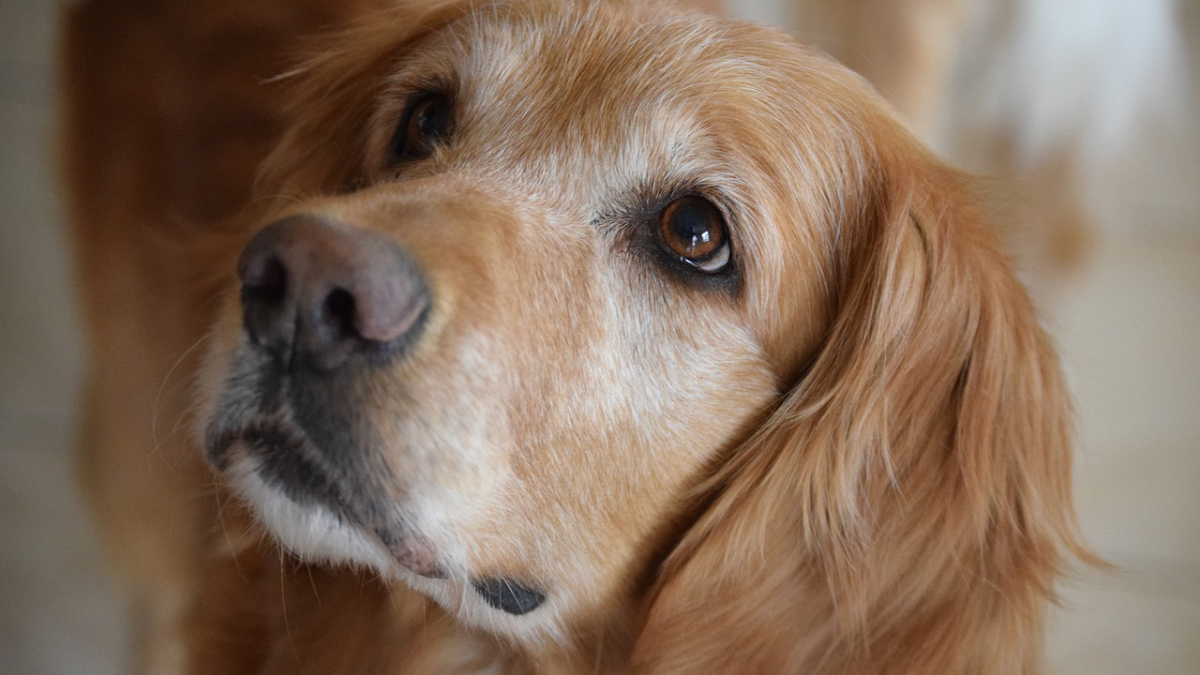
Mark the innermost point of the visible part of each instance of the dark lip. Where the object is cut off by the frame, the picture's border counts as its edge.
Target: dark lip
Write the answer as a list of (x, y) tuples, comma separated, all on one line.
[(288, 461), (264, 430)]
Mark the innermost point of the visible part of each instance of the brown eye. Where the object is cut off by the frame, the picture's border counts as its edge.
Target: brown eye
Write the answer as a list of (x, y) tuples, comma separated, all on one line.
[(429, 122), (692, 229)]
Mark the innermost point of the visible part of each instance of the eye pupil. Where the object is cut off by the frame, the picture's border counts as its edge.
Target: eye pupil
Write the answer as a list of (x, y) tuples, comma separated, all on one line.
[(432, 120), (693, 230), (429, 121), (691, 227)]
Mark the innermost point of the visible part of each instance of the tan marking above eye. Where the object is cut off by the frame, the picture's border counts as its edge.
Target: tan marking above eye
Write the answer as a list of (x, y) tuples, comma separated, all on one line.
[(693, 229)]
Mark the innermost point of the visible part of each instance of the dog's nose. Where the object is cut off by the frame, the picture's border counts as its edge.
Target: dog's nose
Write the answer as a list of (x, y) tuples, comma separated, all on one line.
[(316, 292)]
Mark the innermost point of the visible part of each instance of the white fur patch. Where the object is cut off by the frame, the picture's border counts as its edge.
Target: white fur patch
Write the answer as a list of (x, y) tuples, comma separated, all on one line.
[(309, 531)]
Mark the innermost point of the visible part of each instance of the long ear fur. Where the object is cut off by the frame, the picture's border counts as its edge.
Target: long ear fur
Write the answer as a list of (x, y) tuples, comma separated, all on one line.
[(907, 506)]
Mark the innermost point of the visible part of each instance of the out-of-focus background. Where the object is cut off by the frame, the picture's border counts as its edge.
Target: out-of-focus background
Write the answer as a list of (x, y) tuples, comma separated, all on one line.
[(1126, 314)]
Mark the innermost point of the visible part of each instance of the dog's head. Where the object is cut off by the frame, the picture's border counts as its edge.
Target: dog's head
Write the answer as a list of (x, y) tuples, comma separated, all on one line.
[(575, 310)]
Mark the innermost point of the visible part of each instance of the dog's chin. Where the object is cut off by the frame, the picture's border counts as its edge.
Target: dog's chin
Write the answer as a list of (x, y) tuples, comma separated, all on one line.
[(311, 532), (316, 509)]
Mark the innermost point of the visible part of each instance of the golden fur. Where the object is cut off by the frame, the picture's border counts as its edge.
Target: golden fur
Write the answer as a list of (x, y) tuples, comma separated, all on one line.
[(853, 456)]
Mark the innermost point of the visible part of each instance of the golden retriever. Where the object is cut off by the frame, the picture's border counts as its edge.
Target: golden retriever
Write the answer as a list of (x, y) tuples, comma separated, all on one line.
[(558, 337)]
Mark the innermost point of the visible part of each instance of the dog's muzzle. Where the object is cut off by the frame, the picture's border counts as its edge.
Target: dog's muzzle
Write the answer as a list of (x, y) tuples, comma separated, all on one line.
[(325, 305)]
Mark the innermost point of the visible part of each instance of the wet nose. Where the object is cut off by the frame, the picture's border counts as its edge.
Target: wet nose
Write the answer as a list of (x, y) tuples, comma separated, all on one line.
[(316, 292)]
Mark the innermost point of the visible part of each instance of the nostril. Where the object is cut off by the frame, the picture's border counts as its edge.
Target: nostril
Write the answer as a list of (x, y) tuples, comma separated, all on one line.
[(339, 311), (264, 299), (264, 279)]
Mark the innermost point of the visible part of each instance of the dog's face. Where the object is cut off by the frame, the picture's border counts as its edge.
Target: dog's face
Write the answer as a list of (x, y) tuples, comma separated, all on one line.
[(548, 264)]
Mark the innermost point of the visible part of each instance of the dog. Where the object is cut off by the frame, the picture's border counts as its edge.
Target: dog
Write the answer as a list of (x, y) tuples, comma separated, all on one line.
[(571, 337)]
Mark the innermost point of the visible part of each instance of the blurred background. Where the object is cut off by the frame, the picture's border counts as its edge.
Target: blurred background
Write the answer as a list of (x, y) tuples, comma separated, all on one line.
[(1116, 272)]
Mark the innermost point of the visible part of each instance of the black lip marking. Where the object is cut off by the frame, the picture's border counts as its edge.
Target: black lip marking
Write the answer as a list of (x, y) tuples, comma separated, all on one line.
[(285, 463), (310, 436), (508, 595)]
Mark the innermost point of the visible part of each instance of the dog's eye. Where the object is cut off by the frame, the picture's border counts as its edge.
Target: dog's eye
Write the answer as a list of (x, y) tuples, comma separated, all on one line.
[(428, 123), (693, 230)]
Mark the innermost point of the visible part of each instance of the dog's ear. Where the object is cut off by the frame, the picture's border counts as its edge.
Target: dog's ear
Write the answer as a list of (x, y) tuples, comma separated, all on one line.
[(906, 507), (334, 95)]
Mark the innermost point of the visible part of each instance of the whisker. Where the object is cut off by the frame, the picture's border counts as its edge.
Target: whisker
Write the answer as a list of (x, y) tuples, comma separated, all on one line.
[(313, 583), (225, 533), (158, 397), (283, 605)]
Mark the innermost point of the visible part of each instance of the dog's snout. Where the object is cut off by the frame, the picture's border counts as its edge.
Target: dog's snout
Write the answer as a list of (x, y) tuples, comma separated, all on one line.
[(316, 292)]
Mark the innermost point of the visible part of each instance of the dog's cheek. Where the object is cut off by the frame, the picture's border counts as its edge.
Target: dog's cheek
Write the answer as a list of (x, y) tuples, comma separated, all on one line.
[(446, 437), (643, 432)]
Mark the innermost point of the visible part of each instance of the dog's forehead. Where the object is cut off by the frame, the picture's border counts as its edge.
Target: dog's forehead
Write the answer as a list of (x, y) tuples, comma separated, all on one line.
[(585, 50), (606, 98)]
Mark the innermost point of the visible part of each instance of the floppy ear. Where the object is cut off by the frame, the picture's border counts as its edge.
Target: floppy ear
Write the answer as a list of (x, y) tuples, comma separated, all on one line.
[(906, 507)]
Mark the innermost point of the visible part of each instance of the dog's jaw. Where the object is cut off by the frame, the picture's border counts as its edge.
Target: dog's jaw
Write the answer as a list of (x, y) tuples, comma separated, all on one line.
[(311, 532), (254, 441), (317, 534), (416, 539)]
